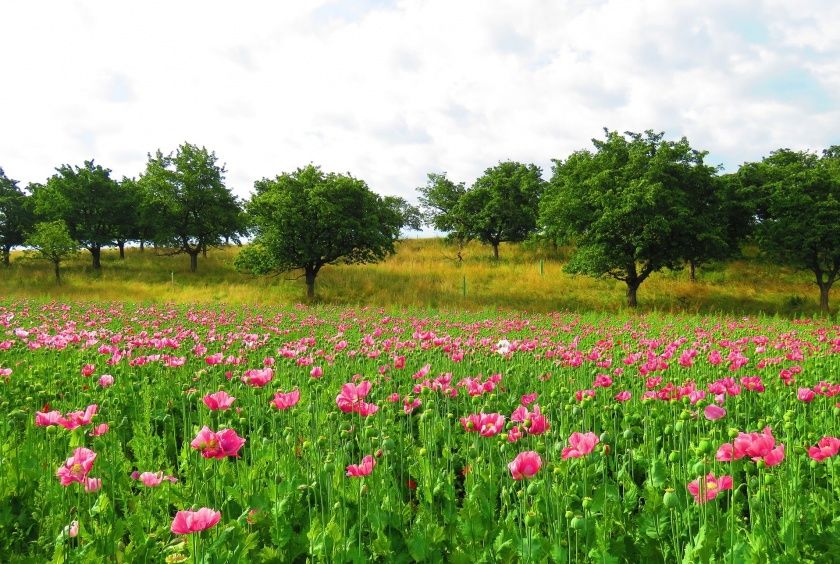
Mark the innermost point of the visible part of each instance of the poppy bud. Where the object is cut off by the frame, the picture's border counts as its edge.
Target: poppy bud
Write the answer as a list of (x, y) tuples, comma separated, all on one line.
[(671, 500)]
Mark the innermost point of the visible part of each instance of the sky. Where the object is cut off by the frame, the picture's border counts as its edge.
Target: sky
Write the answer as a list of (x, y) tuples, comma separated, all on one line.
[(391, 90)]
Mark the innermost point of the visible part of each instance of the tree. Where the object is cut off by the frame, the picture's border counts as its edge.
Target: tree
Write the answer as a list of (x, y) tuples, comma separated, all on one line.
[(799, 212), (127, 214), (85, 199), (720, 218), (16, 215), (308, 219), (51, 241), (193, 208), (438, 202), (502, 205), (626, 206), (410, 216)]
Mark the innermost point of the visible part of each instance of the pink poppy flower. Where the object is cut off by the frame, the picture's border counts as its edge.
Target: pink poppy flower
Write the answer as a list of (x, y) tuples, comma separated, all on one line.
[(187, 522), (805, 394), (486, 424), (519, 415), (713, 412), (708, 488), (218, 401), (581, 445), (352, 395), (623, 395), (106, 381), (99, 430), (88, 370), (757, 446), (363, 469), (528, 399), (525, 465), (73, 529), (217, 445), (826, 448), (258, 377), (537, 424), (47, 419), (515, 434), (76, 419), (410, 405), (93, 485), (286, 400), (153, 479), (76, 468), (366, 409), (316, 372), (214, 359), (775, 456)]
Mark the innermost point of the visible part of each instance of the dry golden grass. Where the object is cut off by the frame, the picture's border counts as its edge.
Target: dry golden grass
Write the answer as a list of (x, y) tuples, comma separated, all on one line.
[(423, 273)]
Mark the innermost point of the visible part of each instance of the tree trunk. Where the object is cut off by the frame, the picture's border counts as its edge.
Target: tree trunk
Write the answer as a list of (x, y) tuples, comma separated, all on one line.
[(204, 251), (7, 251), (96, 254), (121, 245), (824, 289), (310, 283), (193, 261), (631, 293), (142, 245), (57, 273), (495, 251), (692, 270)]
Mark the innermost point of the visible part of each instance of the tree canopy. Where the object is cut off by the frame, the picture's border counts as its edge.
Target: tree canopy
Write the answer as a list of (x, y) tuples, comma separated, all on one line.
[(87, 200), (193, 209), (502, 205), (51, 241), (799, 212), (627, 206), (16, 215), (308, 219)]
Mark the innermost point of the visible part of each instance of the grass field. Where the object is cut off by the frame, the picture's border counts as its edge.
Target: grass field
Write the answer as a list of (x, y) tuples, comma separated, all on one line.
[(423, 273)]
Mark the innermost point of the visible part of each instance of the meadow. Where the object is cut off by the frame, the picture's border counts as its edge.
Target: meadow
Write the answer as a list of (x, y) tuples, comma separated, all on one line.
[(245, 433), (424, 273)]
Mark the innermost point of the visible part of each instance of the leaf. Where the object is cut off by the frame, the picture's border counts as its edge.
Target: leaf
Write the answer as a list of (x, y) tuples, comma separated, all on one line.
[(657, 473)]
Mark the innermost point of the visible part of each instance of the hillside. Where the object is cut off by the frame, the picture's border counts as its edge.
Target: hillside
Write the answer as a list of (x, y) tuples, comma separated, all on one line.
[(423, 273)]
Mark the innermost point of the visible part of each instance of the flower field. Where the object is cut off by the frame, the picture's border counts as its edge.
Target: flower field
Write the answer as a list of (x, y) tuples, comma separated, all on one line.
[(171, 434)]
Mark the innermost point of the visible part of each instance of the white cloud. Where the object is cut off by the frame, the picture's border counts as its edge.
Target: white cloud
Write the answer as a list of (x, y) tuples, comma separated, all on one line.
[(391, 90)]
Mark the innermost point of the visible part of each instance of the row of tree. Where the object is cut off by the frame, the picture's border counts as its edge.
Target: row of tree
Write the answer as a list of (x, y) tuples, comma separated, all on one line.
[(633, 205), (180, 203), (638, 203)]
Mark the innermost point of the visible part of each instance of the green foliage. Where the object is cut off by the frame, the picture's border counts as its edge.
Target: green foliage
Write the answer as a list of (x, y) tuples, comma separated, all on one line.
[(799, 206), (191, 208), (308, 219), (16, 215), (410, 216), (628, 206), (51, 241), (438, 202), (502, 205), (87, 200)]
